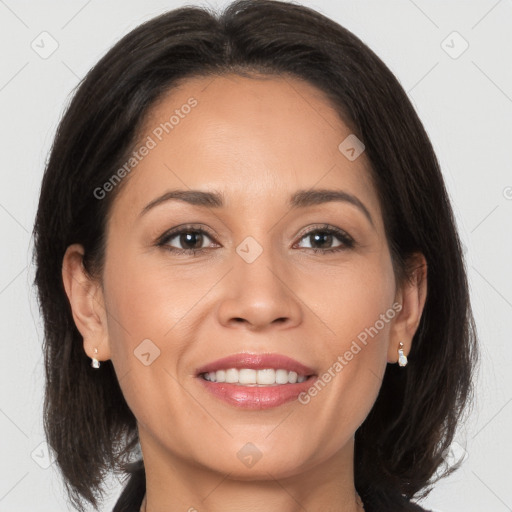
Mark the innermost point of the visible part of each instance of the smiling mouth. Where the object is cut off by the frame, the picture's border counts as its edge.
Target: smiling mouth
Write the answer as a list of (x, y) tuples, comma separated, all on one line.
[(255, 378)]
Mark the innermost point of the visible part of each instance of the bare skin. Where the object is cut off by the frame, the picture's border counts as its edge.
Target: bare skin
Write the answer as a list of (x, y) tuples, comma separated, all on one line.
[(257, 141)]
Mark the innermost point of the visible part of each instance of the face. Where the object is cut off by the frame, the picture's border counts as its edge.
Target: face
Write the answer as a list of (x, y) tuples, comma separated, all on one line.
[(296, 290)]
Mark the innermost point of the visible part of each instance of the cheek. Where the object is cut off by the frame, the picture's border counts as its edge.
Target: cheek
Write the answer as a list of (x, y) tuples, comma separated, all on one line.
[(350, 300), (147, 341), (152, 310), (356, 309), (147, 300), (143, 316)]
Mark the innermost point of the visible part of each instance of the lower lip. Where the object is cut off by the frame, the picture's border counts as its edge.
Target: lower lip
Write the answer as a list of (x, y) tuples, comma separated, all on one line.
[(256, 397)]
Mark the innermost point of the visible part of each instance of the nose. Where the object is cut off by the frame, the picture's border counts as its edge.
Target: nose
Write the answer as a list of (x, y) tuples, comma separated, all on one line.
[(259, 295)]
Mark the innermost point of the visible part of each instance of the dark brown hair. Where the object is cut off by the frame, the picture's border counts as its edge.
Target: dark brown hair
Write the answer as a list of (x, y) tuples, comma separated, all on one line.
[(87, 422)]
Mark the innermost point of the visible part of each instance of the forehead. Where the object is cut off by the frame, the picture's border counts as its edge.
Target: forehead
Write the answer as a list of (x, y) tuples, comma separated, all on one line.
[(258, 139)]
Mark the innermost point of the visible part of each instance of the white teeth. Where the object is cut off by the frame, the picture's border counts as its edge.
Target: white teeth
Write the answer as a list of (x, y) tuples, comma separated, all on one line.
[(247, 376), (266, 376), (232, 375), (250, 377), (281, 377)]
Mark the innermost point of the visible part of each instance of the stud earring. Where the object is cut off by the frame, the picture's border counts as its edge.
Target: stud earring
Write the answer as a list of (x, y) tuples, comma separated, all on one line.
[(95, 363), (402, 359)]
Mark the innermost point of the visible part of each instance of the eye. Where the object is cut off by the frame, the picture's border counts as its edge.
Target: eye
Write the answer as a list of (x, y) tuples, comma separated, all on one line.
[(191, 240), (327, 235)]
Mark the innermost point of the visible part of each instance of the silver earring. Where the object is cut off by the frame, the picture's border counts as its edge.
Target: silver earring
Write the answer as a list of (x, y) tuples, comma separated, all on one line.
[(402, 358), (95, 363)]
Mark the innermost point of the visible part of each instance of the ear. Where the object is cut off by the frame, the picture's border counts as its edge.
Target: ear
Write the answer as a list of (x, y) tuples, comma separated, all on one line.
[(411, 295), (85, 296)]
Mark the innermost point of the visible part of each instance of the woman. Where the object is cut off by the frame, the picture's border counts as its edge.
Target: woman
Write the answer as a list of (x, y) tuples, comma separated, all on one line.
[(244, 229)]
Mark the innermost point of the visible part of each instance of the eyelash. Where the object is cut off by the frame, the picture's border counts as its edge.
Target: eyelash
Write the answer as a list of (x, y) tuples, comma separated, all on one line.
[(347, 241)]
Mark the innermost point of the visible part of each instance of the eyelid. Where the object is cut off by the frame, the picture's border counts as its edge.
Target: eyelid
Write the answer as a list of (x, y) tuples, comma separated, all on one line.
[(323, 227), (176, 230)]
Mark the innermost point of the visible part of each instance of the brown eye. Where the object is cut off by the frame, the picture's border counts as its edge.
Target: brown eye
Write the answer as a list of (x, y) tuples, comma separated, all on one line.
[(185, 241), (322, 240)]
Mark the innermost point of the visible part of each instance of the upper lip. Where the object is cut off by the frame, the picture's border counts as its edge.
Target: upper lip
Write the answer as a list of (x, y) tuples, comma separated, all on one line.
[(257, 362)]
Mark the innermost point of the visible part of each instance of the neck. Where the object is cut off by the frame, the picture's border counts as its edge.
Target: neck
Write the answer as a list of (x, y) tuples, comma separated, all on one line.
[(174, 484)]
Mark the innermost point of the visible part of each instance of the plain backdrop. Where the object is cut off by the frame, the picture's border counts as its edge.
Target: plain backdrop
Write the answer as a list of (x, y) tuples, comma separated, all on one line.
[(453, 59)]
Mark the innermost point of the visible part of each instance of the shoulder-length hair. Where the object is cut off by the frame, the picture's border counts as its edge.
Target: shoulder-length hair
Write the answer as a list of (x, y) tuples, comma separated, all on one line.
[(399, 449)]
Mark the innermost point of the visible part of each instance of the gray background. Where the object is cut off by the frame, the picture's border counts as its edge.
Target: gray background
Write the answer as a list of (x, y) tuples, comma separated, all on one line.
[(465, 103)]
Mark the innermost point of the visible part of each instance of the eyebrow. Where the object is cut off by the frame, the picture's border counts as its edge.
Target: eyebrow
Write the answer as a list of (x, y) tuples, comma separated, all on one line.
[(300, 199)]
